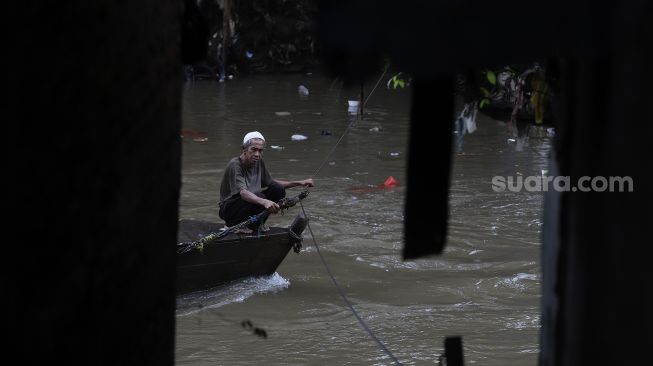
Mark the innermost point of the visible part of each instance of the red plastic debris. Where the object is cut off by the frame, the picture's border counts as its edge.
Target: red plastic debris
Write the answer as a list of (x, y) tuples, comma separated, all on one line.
[(391, 182), (192, 134)]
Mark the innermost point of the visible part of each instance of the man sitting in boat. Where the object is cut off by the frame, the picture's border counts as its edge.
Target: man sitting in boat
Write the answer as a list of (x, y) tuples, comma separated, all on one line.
[(248, 188)]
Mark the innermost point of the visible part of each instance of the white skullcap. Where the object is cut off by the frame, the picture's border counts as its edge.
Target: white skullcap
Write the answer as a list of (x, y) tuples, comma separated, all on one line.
[(253, 135)]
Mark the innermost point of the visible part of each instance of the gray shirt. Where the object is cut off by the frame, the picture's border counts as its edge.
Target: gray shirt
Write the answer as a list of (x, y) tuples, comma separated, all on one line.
[(237, 177)]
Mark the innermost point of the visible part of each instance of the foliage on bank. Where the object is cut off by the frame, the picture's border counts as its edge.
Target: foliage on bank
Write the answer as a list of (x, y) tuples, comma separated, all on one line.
[(260, 35)]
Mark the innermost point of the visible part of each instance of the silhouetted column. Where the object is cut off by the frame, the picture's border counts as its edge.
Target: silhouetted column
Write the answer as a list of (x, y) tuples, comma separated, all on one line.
[(95, 175), (427, 197), (605, 252)]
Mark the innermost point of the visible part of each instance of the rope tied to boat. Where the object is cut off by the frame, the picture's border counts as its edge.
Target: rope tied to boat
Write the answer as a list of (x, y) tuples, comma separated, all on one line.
[(346, 300), (364, 325)]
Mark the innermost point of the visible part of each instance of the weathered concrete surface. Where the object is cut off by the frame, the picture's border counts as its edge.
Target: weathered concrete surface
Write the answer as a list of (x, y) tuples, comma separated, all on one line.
[(94, 159)]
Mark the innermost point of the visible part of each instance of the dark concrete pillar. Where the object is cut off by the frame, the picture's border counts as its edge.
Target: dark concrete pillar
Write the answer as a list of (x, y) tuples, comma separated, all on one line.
[(426, 210), (94, 161), (604, 262)]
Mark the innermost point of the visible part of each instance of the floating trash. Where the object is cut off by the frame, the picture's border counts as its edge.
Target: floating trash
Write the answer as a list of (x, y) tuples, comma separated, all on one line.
[(353, 107), (394, 154), (298, 137), (277, 147), (550, 132), (303, 91), (201, 139), (192, 134), (391, 182), (281, 114), (249, 54), (374, 129), (465, 123), (470, 124)]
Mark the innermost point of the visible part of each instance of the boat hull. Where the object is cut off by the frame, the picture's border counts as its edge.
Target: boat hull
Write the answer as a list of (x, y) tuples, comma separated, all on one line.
[(235, 256)]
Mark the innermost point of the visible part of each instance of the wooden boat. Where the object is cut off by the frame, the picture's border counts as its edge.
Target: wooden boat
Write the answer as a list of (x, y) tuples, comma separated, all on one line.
[(208, 256)]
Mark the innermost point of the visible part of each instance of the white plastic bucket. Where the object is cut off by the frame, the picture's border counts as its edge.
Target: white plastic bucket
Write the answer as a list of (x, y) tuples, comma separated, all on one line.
[(353, 107)]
